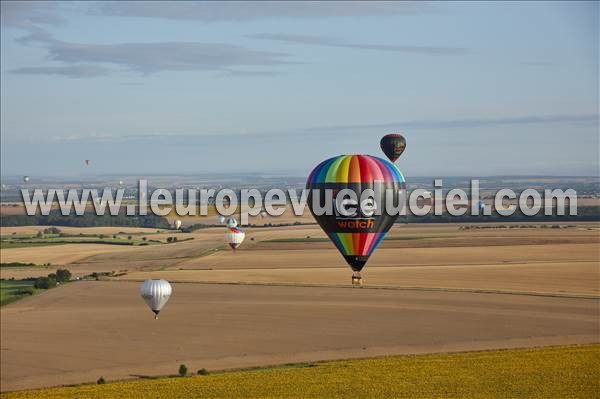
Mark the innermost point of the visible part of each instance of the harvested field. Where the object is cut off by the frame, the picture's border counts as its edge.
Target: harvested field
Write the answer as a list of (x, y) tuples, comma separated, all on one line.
[(61, 254), (539, 278), (430, 288), (104, 328)]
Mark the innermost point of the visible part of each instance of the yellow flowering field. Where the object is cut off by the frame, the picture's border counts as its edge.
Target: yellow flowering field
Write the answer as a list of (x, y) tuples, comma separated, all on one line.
[(553, 372)]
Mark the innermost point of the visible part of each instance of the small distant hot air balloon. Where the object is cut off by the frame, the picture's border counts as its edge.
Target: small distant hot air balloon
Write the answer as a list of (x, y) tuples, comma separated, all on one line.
[(25, 179), (481, 205), (120, 182), (393, 145), (359, 230), (231, 222), (177, 224), (234, 237), (221, 219), (156, 294), (88, 162), (263, 214)]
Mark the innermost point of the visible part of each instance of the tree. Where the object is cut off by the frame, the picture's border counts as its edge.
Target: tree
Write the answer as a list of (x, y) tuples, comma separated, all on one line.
[(39, 234), (169, 239), (63, 275), (144, 238), (101, 380), (129, 237), (183, 370), (203, 372), (43, 283)]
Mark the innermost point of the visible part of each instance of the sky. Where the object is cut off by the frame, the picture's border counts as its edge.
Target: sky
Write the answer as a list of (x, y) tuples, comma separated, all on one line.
[(490, 88)]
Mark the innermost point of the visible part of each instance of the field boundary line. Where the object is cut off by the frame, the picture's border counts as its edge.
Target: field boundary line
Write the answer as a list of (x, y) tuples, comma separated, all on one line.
[(380, 287)]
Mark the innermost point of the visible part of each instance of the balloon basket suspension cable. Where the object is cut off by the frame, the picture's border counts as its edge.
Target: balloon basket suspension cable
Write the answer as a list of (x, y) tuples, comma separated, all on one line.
[(356, 279)]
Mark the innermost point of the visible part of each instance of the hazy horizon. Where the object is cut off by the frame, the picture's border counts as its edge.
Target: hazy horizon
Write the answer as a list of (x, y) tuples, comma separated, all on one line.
[(478, 89)]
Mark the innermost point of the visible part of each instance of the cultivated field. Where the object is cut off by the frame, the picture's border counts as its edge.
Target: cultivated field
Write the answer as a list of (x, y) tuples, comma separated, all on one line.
[(60, 254), (539, 373), (105, 329), (285, 297)]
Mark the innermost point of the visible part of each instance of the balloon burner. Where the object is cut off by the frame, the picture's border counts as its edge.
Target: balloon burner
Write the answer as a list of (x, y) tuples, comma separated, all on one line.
[(356, 279)]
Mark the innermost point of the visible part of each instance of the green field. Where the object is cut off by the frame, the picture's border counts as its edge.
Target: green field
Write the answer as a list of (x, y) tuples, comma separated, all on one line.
[(11, 291), (19, 265), (554, 372)]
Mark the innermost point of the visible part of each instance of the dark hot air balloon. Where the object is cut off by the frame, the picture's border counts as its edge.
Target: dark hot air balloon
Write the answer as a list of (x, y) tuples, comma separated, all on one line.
[(393, 146), (357, 229)]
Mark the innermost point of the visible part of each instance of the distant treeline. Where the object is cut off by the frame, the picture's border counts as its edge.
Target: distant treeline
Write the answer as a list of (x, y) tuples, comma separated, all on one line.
[(198, 226), (584, 214), (55, 218)]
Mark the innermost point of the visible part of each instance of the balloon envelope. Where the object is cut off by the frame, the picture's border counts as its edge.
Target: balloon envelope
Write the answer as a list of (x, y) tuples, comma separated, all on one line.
[(393, 145), (177, 224), (234, 237), (221, 219), (359, 230), (156, 294), (231, 222), (25, 179), (87, 161)]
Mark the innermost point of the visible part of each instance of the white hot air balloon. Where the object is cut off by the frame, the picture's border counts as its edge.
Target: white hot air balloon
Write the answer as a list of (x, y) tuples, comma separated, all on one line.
[(177, 224), (231, 222), (156, 294), (221, 219), (25, 179), (234, 237), (481, 205), (120, 182), (263, 214)]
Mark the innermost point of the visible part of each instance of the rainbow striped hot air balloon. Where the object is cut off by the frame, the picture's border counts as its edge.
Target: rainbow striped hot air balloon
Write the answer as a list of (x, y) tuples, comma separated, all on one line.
[(358, 220)]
